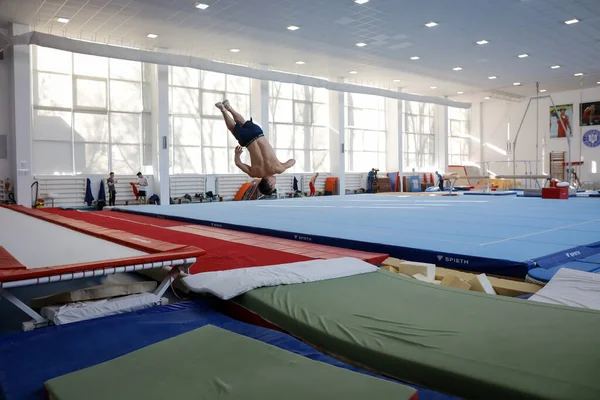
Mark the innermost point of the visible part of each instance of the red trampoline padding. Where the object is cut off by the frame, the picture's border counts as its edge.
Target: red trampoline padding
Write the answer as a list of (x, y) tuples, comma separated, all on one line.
[(128, 239), (8, 262), (220, 254), (10, 275)]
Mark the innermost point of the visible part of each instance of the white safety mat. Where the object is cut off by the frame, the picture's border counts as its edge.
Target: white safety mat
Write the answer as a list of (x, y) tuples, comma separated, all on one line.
[(82, 311), (570, 287), (229, 284)]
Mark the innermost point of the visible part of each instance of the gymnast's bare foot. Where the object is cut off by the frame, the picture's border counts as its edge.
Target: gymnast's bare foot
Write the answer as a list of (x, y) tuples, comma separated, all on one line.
[(220, 106), (227, 105)]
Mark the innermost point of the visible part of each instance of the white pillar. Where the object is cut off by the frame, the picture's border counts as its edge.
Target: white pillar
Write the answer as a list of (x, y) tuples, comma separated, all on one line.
[(476, 135), (442, 134), (392, 136), (337, 136), (259, 106), (160, 123), (20, 137), (400, 111)]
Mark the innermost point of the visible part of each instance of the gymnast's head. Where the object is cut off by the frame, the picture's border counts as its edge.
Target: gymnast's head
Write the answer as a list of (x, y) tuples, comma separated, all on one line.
[(266, 186)]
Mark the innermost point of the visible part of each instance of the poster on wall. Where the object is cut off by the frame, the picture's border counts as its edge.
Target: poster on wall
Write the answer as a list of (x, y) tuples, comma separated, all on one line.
[(564, 113), (591, 138), (590, 113)]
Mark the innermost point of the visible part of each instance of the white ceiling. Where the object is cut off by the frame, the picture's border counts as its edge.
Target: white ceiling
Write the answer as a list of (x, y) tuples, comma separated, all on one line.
[(329, 29)]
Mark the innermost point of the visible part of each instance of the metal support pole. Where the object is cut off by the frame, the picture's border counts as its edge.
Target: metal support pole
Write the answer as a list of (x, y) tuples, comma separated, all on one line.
[(560, 121), (537, 130), (514, 149)]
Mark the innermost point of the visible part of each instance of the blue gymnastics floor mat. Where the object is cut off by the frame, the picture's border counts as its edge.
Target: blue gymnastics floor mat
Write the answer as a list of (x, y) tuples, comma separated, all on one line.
[(496, 235), (583, 258), (29, 359)]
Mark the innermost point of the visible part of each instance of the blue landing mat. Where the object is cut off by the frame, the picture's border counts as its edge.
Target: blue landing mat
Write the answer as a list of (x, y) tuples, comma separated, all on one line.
[(29, 359), (496, 235), (584, 258)]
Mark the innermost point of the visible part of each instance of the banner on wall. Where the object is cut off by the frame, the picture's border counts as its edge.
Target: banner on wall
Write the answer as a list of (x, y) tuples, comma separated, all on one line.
[(591, 138), (590, 113), (562, 112)]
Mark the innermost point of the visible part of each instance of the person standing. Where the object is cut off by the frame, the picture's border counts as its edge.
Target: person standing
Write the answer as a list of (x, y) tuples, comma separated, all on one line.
[(112, 191), (142, 185), (311, 184)]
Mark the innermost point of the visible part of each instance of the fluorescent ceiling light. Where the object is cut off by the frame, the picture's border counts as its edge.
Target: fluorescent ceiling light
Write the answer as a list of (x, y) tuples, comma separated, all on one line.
[(398, 80), (482, 42), (486, 98), (361, 44), (555, 67), (292, 28), (578, 74), (517, 84), (460, 92), (300, 62), (598, 83), (235, 50), (152, 36), (201, 6), (63, 20), (353, 72), (431, 24), (414, 58), (542, 90), (432, 87), (457, 68), (361, 1), (572, 21), (492, 77), (523, 55)]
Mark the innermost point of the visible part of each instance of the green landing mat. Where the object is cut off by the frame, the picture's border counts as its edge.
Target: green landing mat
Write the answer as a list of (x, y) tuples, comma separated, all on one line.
[(468, 344), (213, 363)]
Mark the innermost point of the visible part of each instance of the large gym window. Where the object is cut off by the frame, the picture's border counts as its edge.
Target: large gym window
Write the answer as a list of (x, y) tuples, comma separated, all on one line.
[(90, 115), (200, 141), (366, 131), (299, 120), (459, 142), (419, 135)]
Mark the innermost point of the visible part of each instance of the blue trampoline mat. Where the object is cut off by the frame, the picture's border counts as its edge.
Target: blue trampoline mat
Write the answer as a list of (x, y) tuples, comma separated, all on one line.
[(497, 235), (29, 359)]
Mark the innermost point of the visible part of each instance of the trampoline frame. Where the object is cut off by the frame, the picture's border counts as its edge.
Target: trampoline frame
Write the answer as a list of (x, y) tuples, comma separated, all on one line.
[(177, 267)]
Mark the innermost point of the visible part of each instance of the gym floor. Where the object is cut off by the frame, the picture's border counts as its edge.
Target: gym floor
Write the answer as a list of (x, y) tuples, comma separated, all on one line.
[(496, 232)]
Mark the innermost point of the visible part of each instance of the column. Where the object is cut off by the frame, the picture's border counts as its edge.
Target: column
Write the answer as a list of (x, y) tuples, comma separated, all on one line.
[(442, 133), (392, 136), (259, 106), (160, 123), (400, 111), (20, 137), (337, 136), (475, 133)]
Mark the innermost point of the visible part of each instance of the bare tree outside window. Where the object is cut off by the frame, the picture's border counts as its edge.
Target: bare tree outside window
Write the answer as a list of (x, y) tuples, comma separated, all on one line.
[(366, 131), (299, 117), (460, 142), (419, 135), (91, 115), (200, 142)]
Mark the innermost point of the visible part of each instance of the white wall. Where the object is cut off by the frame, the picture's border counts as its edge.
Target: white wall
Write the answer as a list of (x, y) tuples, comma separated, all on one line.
[(5, 110), (501, 121)]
